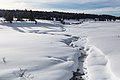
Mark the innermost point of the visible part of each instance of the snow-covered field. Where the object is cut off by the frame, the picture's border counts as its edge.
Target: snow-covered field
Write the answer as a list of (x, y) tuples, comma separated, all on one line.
[(50, 51), (104, 38)]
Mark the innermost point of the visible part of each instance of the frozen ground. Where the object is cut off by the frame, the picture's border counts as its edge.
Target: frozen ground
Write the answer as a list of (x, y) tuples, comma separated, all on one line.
[(50, 51)]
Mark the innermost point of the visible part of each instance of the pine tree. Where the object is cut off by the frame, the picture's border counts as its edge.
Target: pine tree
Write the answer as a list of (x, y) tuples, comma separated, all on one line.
[(8, 16)]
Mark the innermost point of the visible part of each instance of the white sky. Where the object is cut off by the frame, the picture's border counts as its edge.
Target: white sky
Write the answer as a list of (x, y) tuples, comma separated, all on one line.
[(44, 5)]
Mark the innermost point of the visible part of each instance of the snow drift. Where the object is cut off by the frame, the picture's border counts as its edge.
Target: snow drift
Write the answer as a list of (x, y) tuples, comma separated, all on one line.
[(51, 51)]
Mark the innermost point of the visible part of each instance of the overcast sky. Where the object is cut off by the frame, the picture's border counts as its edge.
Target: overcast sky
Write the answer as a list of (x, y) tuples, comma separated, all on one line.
[(86, 6)]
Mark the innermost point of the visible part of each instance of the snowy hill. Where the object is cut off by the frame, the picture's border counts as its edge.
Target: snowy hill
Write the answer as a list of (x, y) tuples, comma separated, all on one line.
[(51, 51)]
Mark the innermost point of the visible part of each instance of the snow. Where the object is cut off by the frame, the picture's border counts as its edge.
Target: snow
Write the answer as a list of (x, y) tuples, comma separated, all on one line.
[(49, 50), (33, 49), (103, 59)]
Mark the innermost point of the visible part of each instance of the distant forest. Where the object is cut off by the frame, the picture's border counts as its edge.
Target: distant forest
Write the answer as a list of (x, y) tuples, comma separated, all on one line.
[(9, 15)]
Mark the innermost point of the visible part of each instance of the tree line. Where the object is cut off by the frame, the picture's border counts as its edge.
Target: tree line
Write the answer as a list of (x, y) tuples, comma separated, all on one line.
[(9, 15)]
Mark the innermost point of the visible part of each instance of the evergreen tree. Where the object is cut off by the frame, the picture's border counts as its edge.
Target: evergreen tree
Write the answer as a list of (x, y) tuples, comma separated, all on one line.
[(31, 16), (8, 16)]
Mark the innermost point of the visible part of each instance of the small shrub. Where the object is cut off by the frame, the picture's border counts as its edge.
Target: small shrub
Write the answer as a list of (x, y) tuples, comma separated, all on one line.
[(22, 73)]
